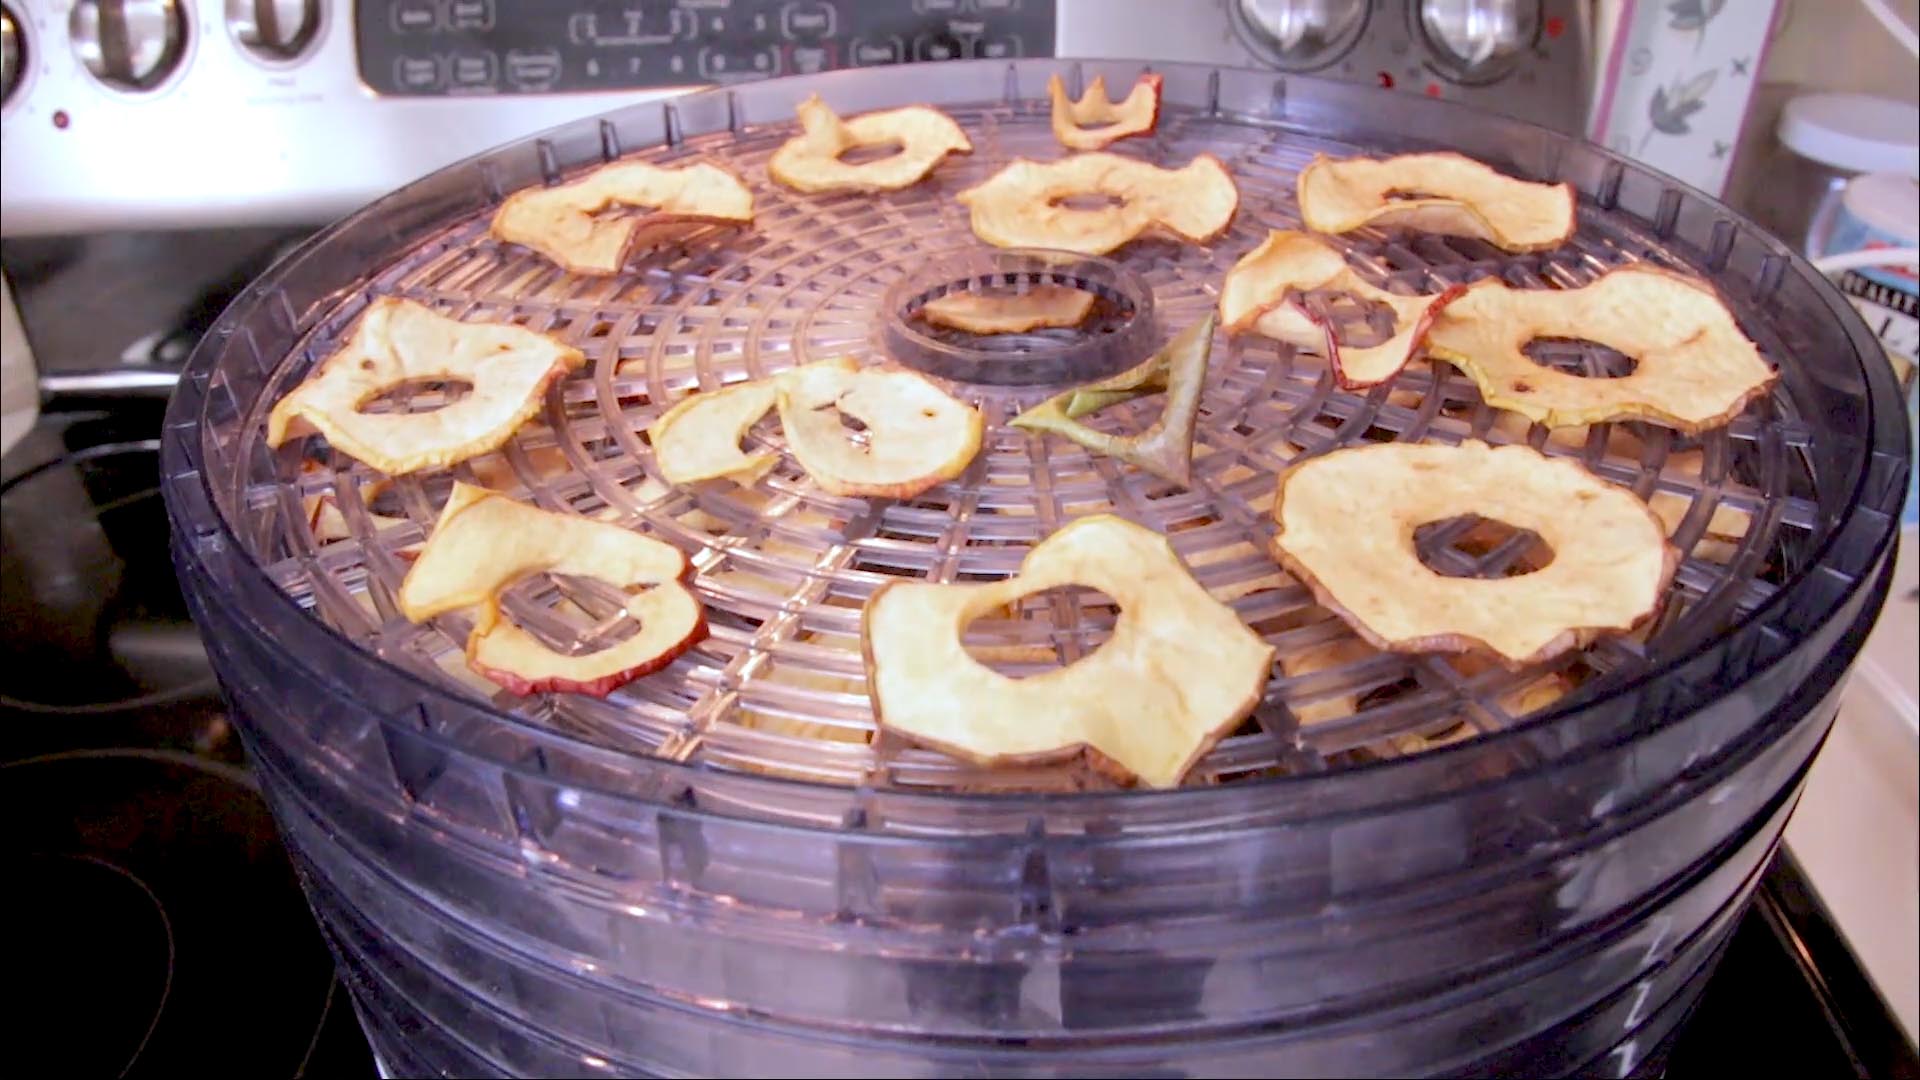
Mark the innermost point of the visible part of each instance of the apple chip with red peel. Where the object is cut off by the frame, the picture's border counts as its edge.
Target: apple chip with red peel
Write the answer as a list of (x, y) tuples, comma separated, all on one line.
[(1179, 671), (1263, 292), (914, 435), (1347, 522), (485, 541), (699, 438), (589, 225), (810, 161), (997, 311), (1438, 193), (1166, 448), (1028, 203), (397, 342), (1093, 121), (1693, 368)]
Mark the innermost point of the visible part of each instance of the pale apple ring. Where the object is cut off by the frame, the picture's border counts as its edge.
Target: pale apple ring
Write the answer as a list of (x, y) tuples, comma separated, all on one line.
[(1022, 205), (810, 161), (1347, 522), (1694, 368), (1094, 122), (1184, 667), (485, 541), (568, 223), (1444, 193), (1262, 294), (396, 342)]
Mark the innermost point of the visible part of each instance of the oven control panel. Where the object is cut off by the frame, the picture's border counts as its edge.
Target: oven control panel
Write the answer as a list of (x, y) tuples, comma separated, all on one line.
[(448, 47)]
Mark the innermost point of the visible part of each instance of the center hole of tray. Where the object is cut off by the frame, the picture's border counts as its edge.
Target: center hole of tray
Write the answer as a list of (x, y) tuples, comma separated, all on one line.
[(1471, 546)]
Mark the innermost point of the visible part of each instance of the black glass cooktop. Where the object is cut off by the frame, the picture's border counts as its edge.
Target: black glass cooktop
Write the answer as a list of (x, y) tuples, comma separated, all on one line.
[(167, 930)]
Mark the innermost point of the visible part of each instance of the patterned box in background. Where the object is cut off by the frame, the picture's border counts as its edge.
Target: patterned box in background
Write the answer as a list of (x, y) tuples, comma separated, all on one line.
[(1676, 81)]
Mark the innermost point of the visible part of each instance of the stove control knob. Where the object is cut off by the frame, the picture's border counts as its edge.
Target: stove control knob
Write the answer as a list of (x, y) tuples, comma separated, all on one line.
[(274, 29), (1298, 35), (1476, 39), (13, 54), (129, 44)]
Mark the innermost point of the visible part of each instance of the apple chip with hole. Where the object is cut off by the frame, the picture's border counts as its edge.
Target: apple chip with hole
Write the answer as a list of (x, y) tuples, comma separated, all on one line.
[(921, 137), (1093, 122), (593, 225), (1165, 448), (1006, 311), (906, 434), (1437, 193), (1693, 368), (485, 541), (1179, 671), (699, 438), (1347, 522), (1265, 291), (398, 343), (1094, 203)]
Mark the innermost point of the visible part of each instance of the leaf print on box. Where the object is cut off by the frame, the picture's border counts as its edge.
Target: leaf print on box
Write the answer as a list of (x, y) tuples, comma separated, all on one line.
[(1694, 15), (1669, 112)]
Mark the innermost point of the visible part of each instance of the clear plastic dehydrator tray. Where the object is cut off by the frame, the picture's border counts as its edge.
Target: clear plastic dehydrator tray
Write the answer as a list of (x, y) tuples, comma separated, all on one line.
[(1392, 867)]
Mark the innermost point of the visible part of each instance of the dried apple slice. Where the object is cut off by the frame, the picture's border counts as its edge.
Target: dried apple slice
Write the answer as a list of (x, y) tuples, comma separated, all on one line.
[(915, 436), (1179, 671), (1166, 448), (587, 225), (699, 438), (1093, 122), (1694, 370), (1004, 312), (1028, 203), (810, 161), (1437, 193), (396, 342), (1347, 522), (1262, 293), (485, 541)]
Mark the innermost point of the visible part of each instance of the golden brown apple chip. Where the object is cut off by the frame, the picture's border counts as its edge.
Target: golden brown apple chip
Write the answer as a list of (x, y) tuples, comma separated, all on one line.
[(1179, 671), (594, 224), (1004, 311), (1347, 522), (1093, 122), (1262, 294), (913, 435), (398, 342), (1694, 370), (485, 541), (1031, 203), (699, 438), (810, 161), (1436, 193)]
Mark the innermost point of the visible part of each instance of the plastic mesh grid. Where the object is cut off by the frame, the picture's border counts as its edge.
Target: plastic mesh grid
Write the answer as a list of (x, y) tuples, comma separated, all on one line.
[(784, 568)]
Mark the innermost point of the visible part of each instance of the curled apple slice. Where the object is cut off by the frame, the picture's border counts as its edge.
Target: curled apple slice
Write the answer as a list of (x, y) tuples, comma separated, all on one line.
[(485, 541), (912, 435), (1347, 522), (1179, 671), (1093, 122), (1263, 294), (811, 161), (1693, 368), (397, 342), (1041, 307), (1166, 448), (1030, 203), (589, 227), (1438, 193), (699, 438)]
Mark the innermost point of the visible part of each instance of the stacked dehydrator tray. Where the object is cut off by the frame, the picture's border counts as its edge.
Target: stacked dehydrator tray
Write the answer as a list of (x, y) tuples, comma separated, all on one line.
[(715, 871)]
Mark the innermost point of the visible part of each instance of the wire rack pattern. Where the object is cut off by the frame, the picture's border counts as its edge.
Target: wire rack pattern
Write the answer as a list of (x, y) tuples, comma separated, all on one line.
[(784, 568)]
